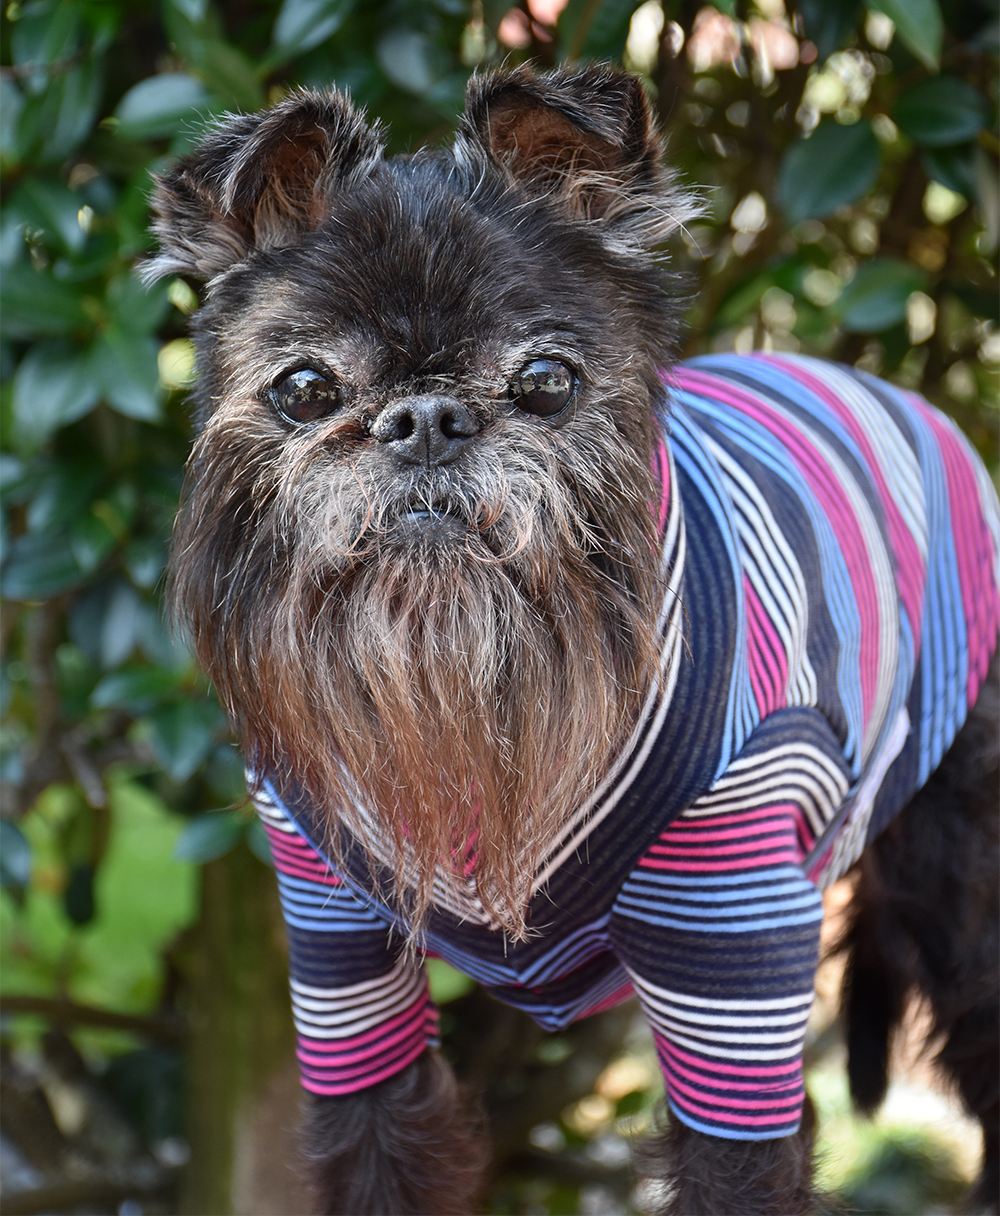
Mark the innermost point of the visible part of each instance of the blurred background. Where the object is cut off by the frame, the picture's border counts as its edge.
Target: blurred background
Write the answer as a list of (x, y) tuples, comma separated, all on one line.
[(847, 154)]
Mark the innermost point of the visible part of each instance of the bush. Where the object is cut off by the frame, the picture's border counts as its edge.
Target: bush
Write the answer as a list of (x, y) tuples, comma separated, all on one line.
[(847, 156)]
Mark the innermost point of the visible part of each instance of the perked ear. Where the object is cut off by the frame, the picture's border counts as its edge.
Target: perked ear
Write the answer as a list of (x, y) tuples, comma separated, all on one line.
[(259, 181), (586, 139)]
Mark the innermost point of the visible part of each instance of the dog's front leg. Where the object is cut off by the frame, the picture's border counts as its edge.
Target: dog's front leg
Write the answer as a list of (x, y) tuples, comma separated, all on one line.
[(701, 1175), (404, 1146)]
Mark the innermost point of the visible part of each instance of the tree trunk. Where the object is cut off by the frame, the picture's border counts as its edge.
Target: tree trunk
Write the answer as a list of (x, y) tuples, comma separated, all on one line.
[(243, 1091)]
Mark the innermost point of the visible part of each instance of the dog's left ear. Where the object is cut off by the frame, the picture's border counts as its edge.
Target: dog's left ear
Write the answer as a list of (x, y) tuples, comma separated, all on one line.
[(259, 181), (584, 139)]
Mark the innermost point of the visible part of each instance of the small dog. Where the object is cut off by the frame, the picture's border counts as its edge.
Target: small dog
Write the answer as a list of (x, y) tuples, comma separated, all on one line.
[(582, 671)]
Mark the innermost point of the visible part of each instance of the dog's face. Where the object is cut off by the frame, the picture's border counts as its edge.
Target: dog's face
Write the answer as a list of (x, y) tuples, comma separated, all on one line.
[(416, 550)]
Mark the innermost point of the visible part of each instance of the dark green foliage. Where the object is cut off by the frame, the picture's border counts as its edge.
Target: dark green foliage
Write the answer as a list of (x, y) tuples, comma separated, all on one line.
[(906, 1173), (859, 223)]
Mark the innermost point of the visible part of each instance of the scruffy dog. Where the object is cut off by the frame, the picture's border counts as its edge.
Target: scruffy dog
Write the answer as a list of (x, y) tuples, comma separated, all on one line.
[(583, 671)]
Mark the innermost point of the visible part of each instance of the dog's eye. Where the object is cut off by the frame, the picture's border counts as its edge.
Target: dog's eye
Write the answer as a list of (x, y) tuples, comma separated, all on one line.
[(543, 387), (305, 396)]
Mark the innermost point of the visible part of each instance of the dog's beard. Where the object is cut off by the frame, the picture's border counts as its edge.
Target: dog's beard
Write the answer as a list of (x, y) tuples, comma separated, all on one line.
[(468, 671)]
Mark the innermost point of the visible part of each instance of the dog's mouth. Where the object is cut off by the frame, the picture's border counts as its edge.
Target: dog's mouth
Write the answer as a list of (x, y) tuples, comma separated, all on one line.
[(433, 518)]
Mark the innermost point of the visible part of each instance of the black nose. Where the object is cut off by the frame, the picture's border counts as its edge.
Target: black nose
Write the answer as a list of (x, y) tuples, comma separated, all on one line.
[(426, 429)]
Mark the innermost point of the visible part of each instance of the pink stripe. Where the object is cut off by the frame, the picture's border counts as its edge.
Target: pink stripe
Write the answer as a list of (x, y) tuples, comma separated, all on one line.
[(973, 551), (910, 569), (425, 1029), (736, 1070), (726, 817), (663, 474), (734, 1104), (754, 862), (298, 860), (737, 1120), (759, 1087), (767, 663), (375, 1035), (333, 1089), (722, 850), (786, 819), (616, 998), (834, 501), (727, 833)]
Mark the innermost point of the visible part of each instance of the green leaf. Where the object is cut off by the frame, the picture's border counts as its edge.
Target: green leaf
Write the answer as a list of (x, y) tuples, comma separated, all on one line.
[(446, 983), (11, 104), (194, 10), (259, 844), (161, 105), (829, 23), (630, 1103), (952, 167), (303, 24), (78, 898), (46, 33), (62, 493), (69, 110), (15, 856), (144, 559), (875, 299), (941, 111), (135, 689), (137, 309), (836, 165), (34, 304), (210, 836), (124, 365), (52, 209), (91, 541), (19, 479), (741, 298), (39, 566), (408, 58), (589, 30), (230, 74), (183, 734), (52, 387), (225, 773), (918, 24), (106, 622), (980, 302)]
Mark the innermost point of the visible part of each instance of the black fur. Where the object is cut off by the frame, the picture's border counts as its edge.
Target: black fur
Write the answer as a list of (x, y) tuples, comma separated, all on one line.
[(406, 1145), (434, 274), (700, 1174), (925, 923)]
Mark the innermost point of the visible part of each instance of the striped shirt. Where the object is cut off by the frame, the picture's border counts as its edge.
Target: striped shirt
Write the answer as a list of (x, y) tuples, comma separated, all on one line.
[(830, 553)]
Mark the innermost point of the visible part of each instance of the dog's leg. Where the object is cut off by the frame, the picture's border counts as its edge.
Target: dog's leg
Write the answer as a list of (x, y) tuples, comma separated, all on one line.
[(924, 921), (403, 1147), (704, 1175)]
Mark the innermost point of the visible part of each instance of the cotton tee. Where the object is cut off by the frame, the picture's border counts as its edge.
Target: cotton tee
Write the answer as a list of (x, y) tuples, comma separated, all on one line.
[(830, 556)]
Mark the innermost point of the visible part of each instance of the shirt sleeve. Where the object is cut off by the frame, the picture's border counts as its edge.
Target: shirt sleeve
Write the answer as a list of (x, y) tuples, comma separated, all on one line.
[(718, 927), (359, 999)]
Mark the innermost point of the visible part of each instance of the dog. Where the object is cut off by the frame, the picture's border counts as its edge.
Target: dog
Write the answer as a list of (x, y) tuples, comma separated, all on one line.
[(580, 669)]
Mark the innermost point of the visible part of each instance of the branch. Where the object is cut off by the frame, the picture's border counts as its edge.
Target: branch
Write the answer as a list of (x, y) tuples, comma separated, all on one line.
[(64, 1196), (164, 1028), (24, 71)]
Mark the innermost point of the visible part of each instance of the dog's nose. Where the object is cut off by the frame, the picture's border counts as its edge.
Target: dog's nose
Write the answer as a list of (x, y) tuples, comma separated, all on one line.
[(427, 429)]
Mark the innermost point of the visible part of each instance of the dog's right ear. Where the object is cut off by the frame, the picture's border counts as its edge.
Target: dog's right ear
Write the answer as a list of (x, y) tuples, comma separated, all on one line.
[(259, 181)]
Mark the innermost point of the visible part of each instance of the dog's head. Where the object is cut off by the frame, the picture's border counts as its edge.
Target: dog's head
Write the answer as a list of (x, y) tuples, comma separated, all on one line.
[(416, 551)]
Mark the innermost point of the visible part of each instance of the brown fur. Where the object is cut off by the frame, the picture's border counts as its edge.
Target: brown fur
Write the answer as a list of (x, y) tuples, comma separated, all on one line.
[(509, 663), (474, 685)]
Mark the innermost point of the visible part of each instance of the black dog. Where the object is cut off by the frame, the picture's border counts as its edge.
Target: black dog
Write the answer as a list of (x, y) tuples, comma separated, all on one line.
[(583, 674)]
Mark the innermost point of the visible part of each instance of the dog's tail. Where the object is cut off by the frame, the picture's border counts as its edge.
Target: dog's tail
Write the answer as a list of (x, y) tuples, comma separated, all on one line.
[(876, 986)]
